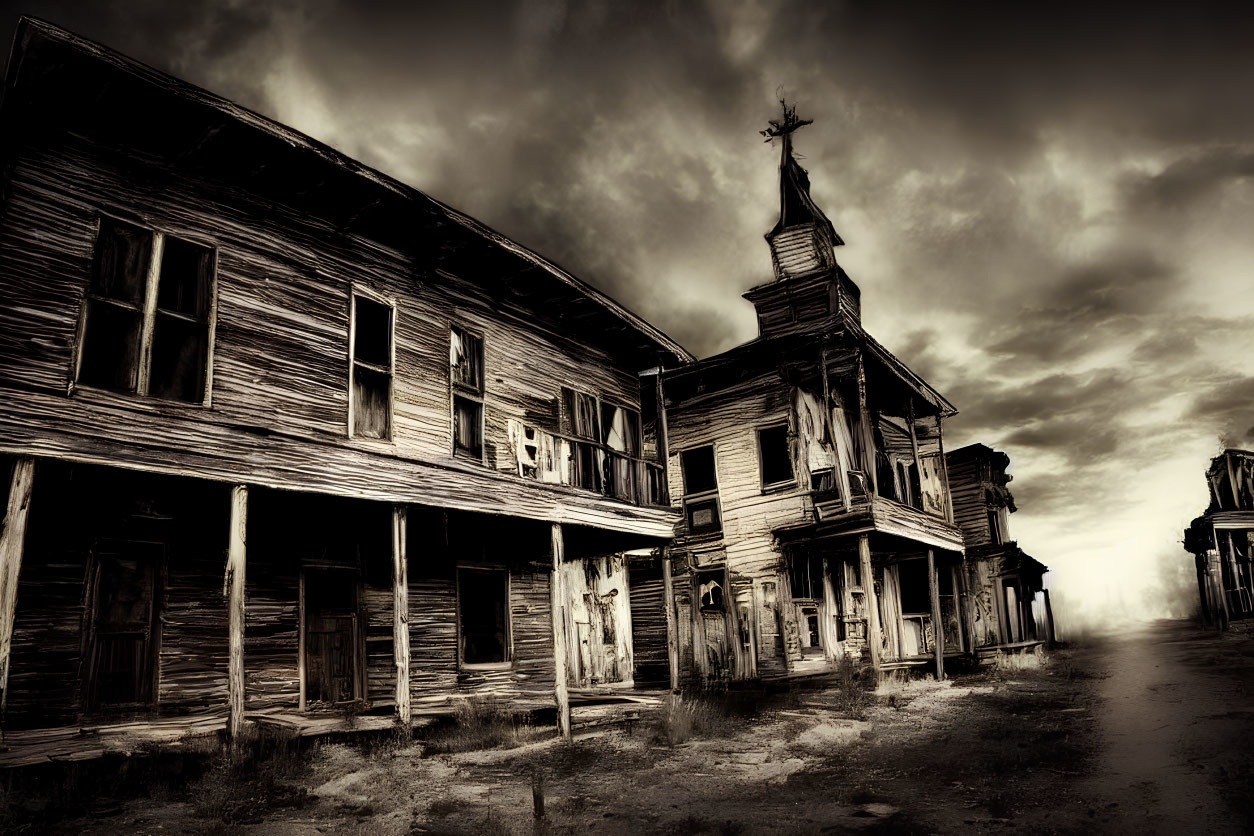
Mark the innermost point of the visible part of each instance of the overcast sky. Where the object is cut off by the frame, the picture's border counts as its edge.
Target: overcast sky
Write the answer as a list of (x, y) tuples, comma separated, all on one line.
[(1048, 207)]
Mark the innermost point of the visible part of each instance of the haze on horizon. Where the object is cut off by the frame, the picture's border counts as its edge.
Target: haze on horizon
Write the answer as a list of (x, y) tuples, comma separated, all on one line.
[(1048, 208)]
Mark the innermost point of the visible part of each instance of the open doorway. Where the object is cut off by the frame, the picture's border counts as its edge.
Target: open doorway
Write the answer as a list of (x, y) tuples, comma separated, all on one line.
[(332, 655), (126, 588)]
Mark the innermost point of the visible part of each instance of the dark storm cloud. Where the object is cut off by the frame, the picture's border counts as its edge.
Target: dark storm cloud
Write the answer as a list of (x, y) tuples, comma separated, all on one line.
[(1046, 205)]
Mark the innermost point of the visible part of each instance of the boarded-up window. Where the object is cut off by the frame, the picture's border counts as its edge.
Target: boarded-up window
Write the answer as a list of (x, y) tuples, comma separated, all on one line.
[(147, 314), (371, 368), (774, 458), (483, 615), (466, 373)]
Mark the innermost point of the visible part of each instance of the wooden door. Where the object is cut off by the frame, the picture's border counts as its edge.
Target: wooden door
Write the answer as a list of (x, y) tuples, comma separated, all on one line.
[(332, 656), (124, 632)]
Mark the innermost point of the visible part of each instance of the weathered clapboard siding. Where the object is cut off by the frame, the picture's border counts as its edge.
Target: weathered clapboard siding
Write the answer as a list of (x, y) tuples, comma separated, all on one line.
[(648, 622), (966, 485), (280, 367)]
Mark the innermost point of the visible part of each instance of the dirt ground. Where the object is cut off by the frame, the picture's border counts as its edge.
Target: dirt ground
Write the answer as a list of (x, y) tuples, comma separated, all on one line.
[(1147, 733)]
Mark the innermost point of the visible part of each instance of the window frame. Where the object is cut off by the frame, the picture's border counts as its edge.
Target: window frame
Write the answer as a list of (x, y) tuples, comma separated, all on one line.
[(461, 390), (356, 291), (702, 497), (508, 644), (784, 484), (147, 310)]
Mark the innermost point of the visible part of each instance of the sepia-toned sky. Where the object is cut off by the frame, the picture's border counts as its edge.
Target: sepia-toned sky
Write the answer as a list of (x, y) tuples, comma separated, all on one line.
[(1049, 207)]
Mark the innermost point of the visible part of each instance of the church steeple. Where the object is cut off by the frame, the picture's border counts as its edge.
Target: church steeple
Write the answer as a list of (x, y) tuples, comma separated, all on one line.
[(802, 241)]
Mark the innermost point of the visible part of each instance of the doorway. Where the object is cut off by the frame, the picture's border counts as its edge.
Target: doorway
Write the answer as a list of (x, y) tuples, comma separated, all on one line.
[(333, 672), (125, 627)]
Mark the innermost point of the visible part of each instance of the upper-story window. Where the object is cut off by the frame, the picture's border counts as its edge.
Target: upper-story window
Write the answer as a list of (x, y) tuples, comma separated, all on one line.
[(465, 355), (620, 433), (147, 316), (700, 490), (774, 457), (581, 419), (370, 384)]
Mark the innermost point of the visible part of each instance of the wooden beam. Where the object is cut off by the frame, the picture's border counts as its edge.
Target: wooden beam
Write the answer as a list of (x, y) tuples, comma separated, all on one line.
[(867, 432), (968, 607), (235, 563), (400, 613), (672, 619), (1050, 640), (944, 469), (871, 602), (12, 538), (558, 616), (938, 629), (914, 450)]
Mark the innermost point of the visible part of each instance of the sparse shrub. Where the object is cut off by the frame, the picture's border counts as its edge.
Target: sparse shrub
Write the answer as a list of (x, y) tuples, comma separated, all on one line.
[(852, 696), (243, 785), (684, 717), (479, 722), (1007, 662)]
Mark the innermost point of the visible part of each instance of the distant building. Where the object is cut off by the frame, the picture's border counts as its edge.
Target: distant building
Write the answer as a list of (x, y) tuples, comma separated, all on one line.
[(1222, 540), (810, 468), (1010, 605)]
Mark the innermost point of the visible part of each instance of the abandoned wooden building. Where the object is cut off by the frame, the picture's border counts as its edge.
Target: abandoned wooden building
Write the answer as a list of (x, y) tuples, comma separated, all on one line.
[(810, 467), (286, 441), (1010, 608), (1222, 540)]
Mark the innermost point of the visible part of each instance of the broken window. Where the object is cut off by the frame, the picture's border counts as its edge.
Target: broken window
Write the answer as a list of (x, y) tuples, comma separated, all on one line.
[(466, 370), (994, 526), (701, 509), (774, 456), (579, 419), (710, 591), (620, 434), (483, 615), (371, 383), (146, 315)]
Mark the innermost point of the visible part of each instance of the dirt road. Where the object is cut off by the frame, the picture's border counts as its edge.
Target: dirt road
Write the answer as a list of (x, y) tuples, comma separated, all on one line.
[(1175, 719)]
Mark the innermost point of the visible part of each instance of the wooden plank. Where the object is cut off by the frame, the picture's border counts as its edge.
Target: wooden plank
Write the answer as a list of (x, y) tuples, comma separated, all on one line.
[(400, 612), (938, 630), (235, 564), (12, 537), (672, 633), (872, 603), (558, 611)]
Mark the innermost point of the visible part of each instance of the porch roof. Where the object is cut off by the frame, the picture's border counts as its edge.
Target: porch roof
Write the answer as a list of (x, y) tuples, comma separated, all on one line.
[(879, 516)]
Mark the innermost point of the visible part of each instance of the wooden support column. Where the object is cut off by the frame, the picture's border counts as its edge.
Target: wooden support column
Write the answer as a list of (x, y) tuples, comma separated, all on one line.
[(234, 591), (944, 468), (1050, 639), (831, 612), (968, 608), (400, 613), (916, 501), (938, 629), (871, 601), (12, 537), (558, 607), (672, 632), (868, 434)]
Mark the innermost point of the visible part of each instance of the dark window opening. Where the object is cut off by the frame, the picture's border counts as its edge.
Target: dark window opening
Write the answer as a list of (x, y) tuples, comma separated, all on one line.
[(994, 526), (823, 481), (807, 577), (118, 318), (916, 596), (774, 456), (372, 368), (710, 591), (483, 615), (467, 427), (698, 470), (467, 375), (579, 414), (811, 626)]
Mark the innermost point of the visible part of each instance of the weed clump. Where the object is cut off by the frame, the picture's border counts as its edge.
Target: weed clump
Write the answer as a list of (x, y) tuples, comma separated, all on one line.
[(850, 688), (684, 717), (477, 723)]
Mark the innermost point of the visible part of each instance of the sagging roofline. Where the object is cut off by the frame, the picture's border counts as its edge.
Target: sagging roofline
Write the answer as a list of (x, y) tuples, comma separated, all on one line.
[(30, 28)]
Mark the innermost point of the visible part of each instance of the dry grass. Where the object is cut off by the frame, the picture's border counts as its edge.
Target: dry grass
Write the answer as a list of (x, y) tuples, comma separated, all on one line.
[(684, 717), (477, 723)]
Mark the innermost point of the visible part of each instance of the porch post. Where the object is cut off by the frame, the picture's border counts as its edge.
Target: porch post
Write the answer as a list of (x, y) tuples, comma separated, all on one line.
[(968, 607), (400, 613), (558, 617), (830, 612), (235, 563), (1049, 621), (938, 629), (672, 632), (871, 601), (12, 537)]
